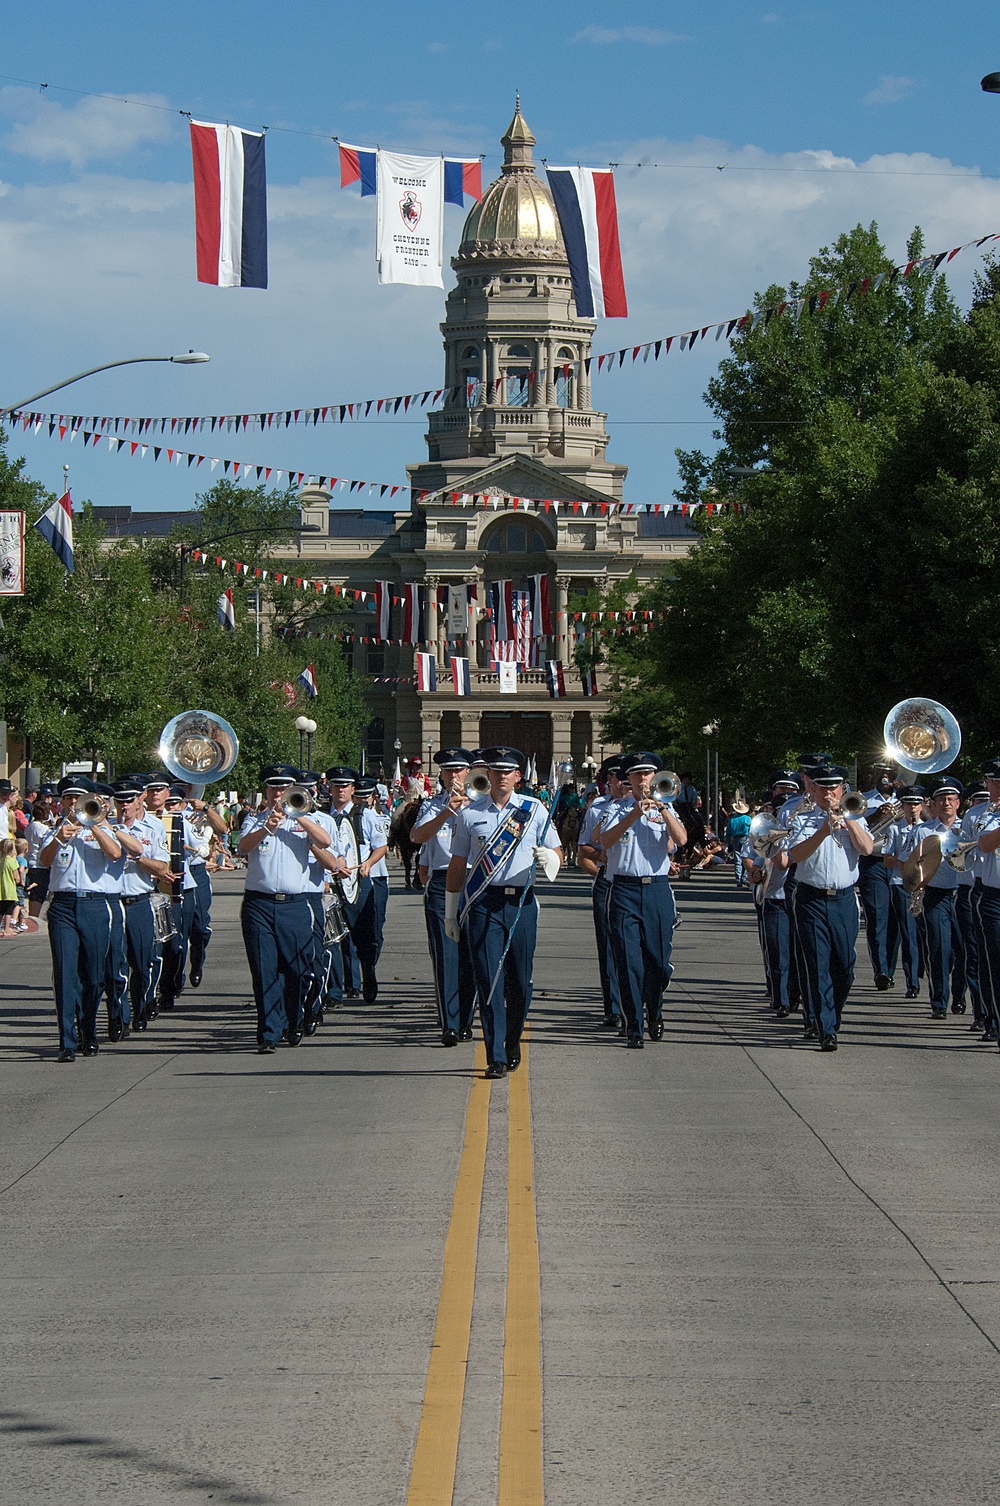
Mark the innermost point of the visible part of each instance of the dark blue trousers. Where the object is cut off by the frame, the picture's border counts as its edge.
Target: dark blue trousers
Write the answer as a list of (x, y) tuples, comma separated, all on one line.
[(827, 931), (881, 931), (116, 971), (367, 931), (141, 945), (278, 936), (605, 956), (350, 964), (454, 977), (174, 952), (490, 924), (800, 972), (906, 928), (944, 950), (315, 996), (79, 937), (201, 917), (777, 930), (970, 944), (986, 913), (641, 917)]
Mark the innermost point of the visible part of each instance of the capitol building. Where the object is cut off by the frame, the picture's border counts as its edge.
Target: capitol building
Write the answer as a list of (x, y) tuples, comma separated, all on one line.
[(517, 421)]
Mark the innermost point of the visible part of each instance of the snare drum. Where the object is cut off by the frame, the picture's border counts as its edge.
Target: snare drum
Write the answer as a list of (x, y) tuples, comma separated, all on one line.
[(163, 918), (336, 927)]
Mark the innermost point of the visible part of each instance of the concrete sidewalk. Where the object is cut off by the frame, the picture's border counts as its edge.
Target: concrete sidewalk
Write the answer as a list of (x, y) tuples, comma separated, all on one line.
[(767, 1275)]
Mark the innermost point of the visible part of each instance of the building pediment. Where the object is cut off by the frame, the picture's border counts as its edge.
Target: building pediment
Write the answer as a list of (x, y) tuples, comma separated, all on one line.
[(521, 475)]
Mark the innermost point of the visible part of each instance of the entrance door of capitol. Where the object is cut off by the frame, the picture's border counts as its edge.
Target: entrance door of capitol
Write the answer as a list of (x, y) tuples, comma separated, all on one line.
[(531, 731)]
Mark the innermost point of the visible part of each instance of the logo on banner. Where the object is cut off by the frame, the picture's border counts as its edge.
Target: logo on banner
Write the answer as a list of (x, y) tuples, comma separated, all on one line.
[(411, 209)]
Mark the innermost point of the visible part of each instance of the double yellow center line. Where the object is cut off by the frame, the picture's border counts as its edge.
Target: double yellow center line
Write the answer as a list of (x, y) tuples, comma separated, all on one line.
[(432, 1475)]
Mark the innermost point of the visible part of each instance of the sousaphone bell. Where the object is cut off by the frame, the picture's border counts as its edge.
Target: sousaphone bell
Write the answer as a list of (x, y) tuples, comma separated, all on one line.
[(922, 736), (198, 747)]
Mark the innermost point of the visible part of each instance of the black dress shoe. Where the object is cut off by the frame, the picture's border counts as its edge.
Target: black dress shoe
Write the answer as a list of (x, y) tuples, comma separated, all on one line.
[(140, 1022), (828, 1043), (90, 1048), (958, 1008), (465, 1034), (66, 1055), (449, 1037), (196, 977), (655, 1029), (115, 1030), (938, 1012), (634, 1042), (882, 982), (352, 993), (912, 993), (989, 1034), (782, 1012), (809, 1033), (496, 1069), (309, 1027), (622, 1027), (513, 1050), (370, 990), (266, 1048), (294, 1037), (610, 1022), (154, 1010)]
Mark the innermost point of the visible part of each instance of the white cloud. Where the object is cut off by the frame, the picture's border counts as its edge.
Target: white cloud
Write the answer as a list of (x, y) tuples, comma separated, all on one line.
[(890, 90), (94, 129), (648, 36)]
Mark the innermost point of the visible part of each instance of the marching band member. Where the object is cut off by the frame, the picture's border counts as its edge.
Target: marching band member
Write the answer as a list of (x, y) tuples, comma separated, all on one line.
[(357, 973), (142, 865), (183, 843), (201, 915), (591, 857), (276, 917), (881, 931), (79, 918), (641, 833), (942, 938), (977, 799), (825, 850), (900, 840), (497, 841), (110, 884), (454, 977), (984, 826), (317, 879), (369, 930)]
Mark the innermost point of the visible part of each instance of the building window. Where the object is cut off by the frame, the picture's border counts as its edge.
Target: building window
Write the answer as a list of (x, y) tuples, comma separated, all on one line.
[(375, 740), (376, 659), (518, 384), (515, 538), (471, 382), (565, 359)]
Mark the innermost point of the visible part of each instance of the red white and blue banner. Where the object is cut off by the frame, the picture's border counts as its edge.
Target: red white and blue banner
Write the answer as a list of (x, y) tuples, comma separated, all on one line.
[(588, 214), (307, 679), (554, 679), (12, 553), (230, 205), (541, 614), (383, 601), (414, 628), (460, 676), (463, 178), (588, 679), (225, 610), (56, 528), (426, 672)]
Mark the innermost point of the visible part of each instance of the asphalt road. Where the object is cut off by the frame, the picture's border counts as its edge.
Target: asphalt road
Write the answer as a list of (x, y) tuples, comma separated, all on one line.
[(767, 1275)]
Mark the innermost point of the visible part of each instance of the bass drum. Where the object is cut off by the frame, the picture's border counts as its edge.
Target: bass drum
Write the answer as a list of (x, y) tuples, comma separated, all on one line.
[(349, 851)]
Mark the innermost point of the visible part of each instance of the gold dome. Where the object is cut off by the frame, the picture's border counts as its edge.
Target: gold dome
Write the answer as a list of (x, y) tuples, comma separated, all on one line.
[(516, 216)]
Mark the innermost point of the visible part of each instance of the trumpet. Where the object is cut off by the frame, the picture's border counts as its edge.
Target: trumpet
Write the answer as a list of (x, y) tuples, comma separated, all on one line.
[(665, 787), (297, 801), (90, 810), (479, 783), (851, 808)]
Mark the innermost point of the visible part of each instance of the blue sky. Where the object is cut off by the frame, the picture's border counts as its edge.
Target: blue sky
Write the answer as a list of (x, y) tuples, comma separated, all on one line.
[(823, 114)]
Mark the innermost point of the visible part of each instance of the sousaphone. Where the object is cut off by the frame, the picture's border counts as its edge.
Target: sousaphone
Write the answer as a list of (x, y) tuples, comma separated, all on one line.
[(922, 736), (198, 747)]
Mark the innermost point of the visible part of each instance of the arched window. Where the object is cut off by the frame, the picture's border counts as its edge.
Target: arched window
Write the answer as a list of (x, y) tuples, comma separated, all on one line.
[(518, 373), (516, 538), (565, 374), (471, 375)]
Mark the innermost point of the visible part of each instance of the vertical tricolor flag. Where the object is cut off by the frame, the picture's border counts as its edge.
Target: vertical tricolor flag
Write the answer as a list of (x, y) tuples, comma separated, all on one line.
[(501, 601), (541, 615), (460, 676), (307, 679), (588, 679), (426, 672), (56, 528), (230, 205), (383, 600), (225, 610), (414, 629), (358, 165), (462, 177), (554, 679), (588, 215)]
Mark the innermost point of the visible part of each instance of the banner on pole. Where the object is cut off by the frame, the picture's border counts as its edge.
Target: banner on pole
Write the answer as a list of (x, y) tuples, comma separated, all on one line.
[(458, 611), (409, 244), (12, 553)]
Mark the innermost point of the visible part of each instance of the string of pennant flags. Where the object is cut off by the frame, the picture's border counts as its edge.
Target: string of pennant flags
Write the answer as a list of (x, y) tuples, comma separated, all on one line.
[(134, 434)]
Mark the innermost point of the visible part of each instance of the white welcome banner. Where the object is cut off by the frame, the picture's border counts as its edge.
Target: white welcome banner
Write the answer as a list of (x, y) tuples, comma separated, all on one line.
[(12, 553), (458, 611), (409, 245)]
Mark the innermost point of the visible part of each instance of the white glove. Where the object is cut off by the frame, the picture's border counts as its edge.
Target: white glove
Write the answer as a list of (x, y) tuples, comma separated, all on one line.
[(548, 861), (452, 904)]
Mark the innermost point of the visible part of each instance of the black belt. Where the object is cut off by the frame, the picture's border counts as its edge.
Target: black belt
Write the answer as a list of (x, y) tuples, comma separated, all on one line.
[(81, 894), (827, 893), (134, 899), (509, 891), (279, 899), (629, 878)]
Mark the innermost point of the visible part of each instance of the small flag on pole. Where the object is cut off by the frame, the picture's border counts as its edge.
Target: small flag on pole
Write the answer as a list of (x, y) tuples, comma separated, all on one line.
[(225, 611), (554, 679), (307, 679), (461, 678), (426, 672), (56, 528)]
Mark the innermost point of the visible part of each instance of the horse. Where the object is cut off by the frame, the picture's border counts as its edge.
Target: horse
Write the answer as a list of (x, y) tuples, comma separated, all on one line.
[(568, 827), (403, 820)]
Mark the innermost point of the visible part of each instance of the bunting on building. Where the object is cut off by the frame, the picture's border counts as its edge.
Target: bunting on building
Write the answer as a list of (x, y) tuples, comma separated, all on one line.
[(414, 613)]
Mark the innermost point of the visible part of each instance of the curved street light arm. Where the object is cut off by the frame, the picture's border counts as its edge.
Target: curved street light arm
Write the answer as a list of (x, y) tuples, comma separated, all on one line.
[(192, 358)]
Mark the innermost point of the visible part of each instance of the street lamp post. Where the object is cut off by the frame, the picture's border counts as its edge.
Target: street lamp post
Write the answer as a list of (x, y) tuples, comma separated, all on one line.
[(305, 726), (188, 358)]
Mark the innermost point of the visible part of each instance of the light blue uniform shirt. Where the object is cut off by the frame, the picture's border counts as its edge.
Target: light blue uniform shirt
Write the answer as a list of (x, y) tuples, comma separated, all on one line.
[(834, 864), (318, 876), (79, 865), (977, 822), (945, 877), (774, 883), (900, 840), (370, 830), (280, 864), (435, 853), (37, 834), (149, 831), (790, 808), (644, 850), (477, 823), (593, 820), (970, 829), (379, 837)]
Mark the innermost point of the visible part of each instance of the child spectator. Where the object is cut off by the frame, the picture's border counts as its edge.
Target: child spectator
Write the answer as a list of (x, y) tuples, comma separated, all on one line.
[(9, 908)]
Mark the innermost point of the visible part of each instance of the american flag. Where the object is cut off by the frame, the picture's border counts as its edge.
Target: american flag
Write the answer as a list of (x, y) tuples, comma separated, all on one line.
[(520, 648)]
